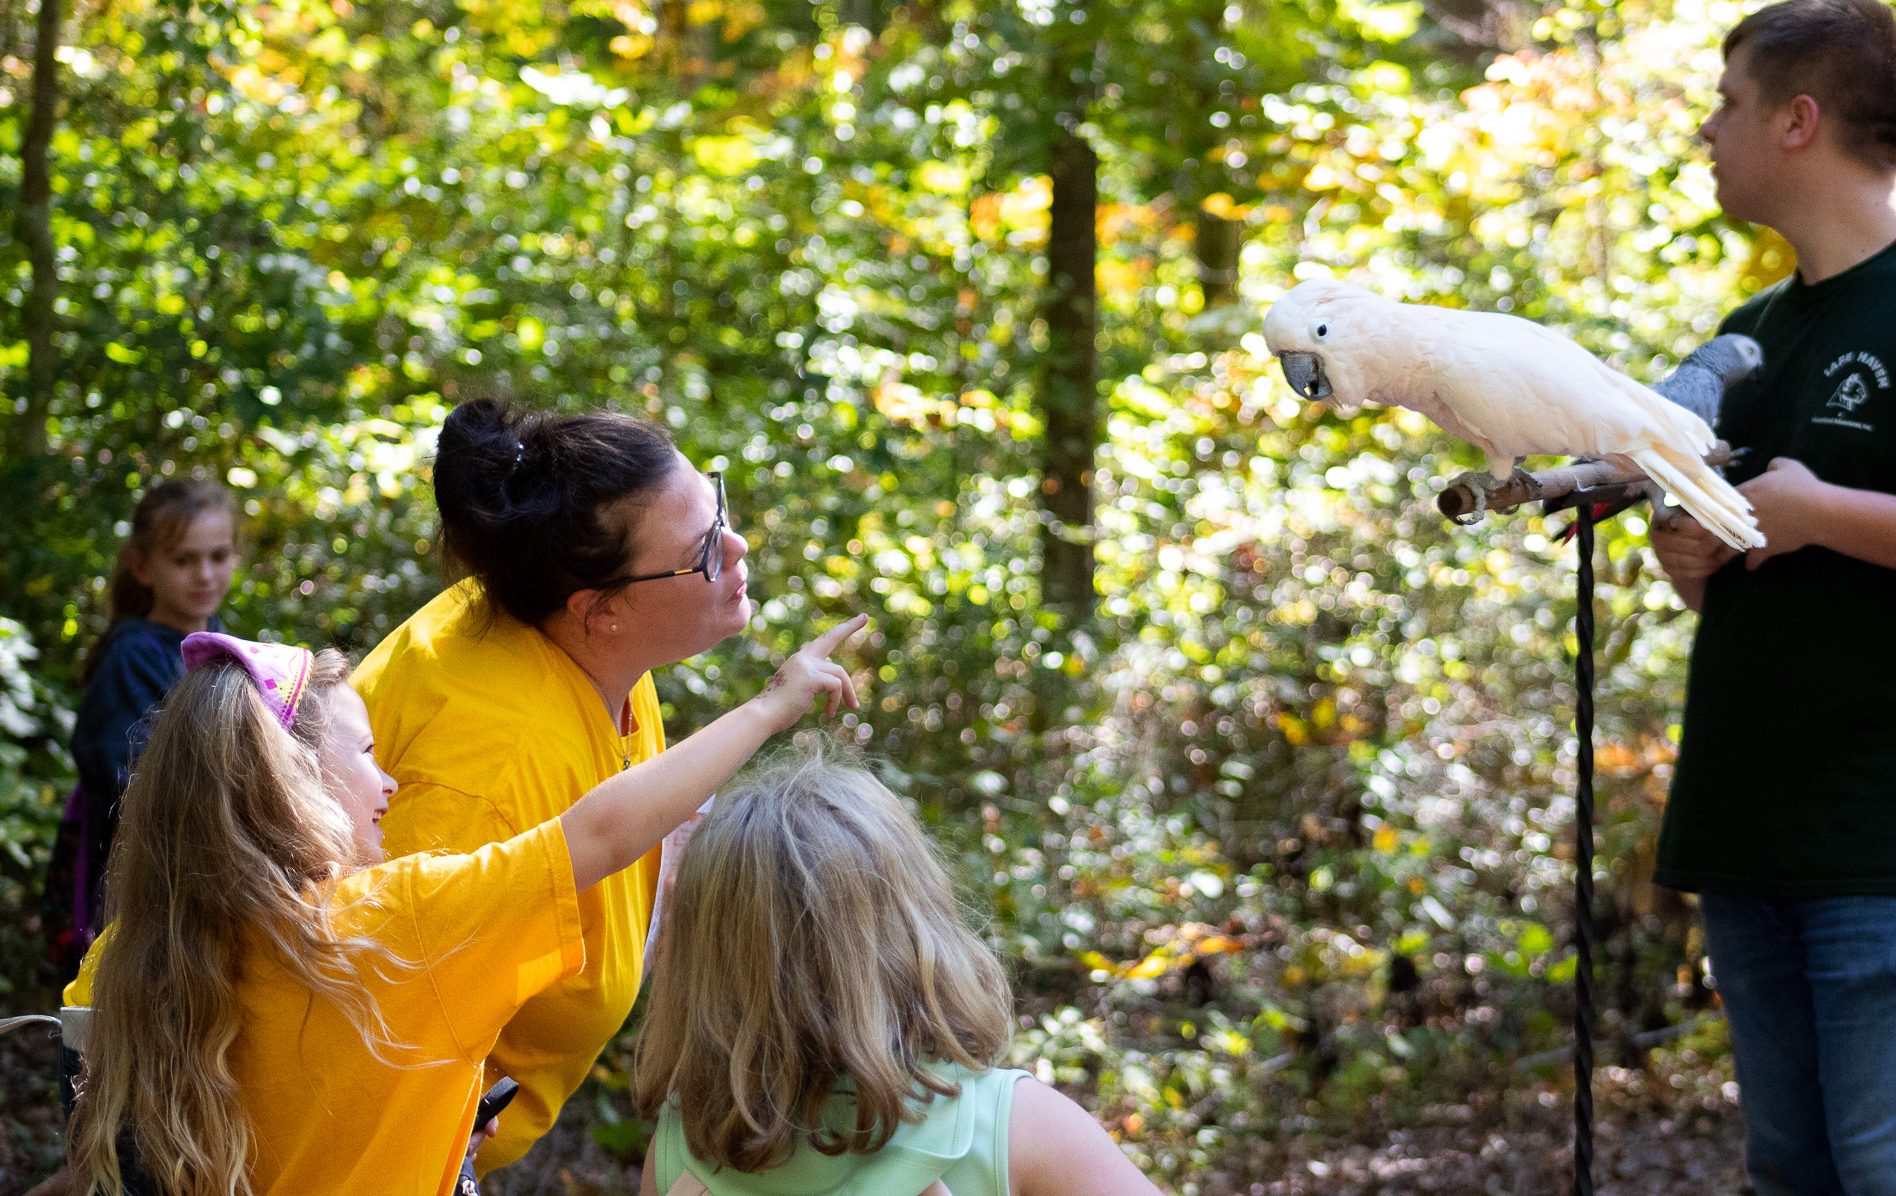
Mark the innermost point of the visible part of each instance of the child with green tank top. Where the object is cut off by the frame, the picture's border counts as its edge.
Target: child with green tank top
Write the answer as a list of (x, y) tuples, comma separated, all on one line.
[(823, 1022)]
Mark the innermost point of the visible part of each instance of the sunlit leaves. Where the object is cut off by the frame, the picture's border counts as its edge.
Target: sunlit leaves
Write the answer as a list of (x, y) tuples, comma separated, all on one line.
[(1313, 722)]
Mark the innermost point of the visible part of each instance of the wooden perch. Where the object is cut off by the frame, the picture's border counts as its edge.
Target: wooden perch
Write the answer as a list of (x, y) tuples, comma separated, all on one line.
[(1559, 488)]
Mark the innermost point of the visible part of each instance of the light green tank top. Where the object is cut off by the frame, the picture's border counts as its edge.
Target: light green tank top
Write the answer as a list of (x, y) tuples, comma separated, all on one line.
[(962, 1142)]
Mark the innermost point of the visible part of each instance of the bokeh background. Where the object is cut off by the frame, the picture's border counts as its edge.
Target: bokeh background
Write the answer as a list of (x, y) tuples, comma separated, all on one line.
[(1258, 770)]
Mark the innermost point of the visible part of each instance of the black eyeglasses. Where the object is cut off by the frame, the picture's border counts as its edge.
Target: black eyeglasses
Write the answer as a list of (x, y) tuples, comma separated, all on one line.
[(710, 554)]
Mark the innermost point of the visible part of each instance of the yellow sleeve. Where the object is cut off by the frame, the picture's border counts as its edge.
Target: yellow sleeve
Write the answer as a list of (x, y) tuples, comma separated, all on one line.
[(79, 991), (496, 928)]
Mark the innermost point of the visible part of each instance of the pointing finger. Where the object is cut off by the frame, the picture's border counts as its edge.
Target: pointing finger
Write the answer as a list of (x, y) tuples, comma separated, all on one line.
[(836, 636)]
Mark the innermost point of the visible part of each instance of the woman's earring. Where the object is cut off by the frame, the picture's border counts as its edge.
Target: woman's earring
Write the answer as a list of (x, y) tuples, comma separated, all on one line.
[(615, 628)]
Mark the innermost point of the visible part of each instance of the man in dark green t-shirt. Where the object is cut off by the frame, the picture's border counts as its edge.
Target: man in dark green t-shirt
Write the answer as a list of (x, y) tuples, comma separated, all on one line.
[(1783, 808)]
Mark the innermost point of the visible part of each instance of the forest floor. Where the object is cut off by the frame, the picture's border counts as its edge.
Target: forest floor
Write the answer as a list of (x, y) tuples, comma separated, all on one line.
[(1648, 1139), (1658, 1131), (1655, 1135)]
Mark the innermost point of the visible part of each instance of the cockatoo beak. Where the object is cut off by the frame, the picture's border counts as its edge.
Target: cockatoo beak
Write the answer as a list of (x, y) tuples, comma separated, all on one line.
[(1304, 372)]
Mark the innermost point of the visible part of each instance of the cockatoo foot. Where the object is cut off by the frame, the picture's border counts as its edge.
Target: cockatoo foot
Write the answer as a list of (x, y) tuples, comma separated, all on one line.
[(1482, 485)]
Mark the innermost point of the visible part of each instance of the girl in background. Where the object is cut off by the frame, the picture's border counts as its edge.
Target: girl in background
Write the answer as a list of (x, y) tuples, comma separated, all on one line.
[(823, 1022), (276, 1009), (171, 577)]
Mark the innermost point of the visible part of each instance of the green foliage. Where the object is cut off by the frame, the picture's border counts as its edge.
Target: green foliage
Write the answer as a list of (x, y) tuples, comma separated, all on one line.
[(1283, 835), (33, 782)]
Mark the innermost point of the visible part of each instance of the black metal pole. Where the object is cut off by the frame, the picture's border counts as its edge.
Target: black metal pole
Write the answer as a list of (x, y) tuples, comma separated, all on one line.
[(1583, 862)]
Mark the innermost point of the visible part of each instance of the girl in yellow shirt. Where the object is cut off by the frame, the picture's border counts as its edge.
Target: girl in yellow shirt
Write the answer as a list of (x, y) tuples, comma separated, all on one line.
[(277, 1009)]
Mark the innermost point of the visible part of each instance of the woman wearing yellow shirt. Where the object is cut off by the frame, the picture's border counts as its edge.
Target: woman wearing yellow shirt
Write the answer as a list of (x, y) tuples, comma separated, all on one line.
[(596, 553)]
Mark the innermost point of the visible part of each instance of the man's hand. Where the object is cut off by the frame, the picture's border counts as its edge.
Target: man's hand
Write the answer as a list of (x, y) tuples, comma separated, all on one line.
[(1687, 552), (1787, 499)]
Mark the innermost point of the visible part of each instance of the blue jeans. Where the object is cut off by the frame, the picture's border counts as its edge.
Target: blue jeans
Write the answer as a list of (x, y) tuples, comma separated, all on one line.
[(1810, 991)]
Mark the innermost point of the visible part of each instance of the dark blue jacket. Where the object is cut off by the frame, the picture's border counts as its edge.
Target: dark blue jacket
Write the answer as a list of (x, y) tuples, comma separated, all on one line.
[(139, 662)]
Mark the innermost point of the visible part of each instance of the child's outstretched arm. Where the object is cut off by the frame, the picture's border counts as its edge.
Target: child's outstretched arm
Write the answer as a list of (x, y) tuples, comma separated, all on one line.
[(621, 819)]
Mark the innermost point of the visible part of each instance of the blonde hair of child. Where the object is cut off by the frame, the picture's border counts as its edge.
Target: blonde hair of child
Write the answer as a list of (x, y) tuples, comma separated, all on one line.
[(227, 845), (813, 940)]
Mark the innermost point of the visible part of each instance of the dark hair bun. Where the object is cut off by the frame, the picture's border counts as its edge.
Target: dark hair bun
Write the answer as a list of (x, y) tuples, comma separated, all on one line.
[(530, 500)]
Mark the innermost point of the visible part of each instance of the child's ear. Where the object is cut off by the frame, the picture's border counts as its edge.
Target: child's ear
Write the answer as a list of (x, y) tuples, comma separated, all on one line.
[(139, 566)]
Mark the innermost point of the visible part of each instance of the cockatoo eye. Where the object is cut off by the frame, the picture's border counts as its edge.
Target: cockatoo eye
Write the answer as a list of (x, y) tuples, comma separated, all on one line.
[(1319, 330)]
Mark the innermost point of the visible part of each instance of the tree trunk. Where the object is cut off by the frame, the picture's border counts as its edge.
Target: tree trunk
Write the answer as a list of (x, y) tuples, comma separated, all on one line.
[(1069, 382), (1218, 242), (35, 223)]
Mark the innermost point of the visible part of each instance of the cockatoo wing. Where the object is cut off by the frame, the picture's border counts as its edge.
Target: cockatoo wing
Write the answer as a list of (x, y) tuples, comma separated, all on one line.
[(1534, 391)]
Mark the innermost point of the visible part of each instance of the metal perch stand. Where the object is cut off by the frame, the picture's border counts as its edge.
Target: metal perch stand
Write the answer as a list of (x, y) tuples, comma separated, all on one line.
[(1578, 486)]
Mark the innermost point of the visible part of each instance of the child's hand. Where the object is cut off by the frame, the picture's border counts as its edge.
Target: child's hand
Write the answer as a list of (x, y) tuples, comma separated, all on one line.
[(481, 1134), (809, 673)]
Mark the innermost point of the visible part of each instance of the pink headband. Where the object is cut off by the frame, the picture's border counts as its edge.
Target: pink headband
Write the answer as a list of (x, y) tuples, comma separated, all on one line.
[(281, 671)]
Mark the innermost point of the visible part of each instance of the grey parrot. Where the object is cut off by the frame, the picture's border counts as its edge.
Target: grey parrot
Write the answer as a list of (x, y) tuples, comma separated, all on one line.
[(1699, 382), (1506, 385)]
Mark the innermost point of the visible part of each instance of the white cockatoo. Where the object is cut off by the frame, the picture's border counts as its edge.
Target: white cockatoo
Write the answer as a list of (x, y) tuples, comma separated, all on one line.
[(1506, 385)]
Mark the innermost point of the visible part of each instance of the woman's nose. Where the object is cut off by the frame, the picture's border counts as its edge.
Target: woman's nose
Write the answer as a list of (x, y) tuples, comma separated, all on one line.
[(736, 547)]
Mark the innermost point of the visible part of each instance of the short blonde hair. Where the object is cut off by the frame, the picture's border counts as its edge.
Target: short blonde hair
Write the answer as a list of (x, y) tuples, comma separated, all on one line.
[(813, 941)]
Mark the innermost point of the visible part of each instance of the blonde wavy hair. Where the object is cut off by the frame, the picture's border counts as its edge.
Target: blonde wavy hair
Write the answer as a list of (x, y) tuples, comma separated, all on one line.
[(227, 844), (813, 943)]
